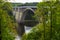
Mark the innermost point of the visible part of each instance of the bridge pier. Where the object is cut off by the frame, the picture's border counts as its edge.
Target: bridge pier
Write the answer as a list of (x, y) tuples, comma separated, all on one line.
[(21, 29)]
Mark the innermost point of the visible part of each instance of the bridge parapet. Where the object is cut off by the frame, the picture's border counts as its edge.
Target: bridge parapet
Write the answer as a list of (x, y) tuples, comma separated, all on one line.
[(26, 7)]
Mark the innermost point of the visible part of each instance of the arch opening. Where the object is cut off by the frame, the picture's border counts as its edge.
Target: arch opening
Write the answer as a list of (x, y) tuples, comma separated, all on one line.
[(28, 18), (29, 14)]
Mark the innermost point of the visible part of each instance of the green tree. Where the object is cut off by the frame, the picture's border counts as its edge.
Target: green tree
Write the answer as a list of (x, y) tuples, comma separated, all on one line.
[(7, 24), (48, 29)]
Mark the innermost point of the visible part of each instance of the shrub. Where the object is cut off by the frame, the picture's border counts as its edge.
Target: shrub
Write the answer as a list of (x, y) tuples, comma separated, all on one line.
[(7, 24), (49, 29), (37, 33)]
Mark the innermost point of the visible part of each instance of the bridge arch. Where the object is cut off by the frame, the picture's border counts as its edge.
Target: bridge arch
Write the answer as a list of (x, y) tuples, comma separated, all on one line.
[(29, 9), (28, 13), (25, 14)]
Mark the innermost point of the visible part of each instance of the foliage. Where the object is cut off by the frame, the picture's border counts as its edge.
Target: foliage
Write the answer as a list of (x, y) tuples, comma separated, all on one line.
[(35, 33), (7, 24), (48, 29), (30, 4), (25, 4)]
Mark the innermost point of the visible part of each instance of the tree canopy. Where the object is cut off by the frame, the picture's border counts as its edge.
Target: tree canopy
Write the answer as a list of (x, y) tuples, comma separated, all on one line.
[(7, 23), (47, 14)]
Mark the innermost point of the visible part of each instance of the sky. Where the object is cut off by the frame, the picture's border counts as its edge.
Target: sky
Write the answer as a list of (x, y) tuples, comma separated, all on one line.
[(24, 1)]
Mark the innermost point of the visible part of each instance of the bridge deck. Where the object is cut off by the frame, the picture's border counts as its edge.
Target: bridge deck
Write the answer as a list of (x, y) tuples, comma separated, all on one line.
[(26, 7)]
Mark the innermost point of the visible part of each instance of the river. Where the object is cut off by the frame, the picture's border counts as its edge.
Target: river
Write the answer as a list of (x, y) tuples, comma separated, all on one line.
[(27, 29)]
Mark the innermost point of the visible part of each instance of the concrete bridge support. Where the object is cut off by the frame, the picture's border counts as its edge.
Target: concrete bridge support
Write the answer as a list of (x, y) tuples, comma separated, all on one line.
[(20, 29)]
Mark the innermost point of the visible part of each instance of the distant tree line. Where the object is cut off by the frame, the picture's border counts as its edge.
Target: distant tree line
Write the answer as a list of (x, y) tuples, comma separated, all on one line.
[(25, 4)]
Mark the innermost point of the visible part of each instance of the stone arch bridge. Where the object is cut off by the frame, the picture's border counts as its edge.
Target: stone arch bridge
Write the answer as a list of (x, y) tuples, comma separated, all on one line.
[(23, 15)]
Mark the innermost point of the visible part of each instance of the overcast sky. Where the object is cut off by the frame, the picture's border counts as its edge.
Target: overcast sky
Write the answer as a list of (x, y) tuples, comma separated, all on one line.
[(24, 1)]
